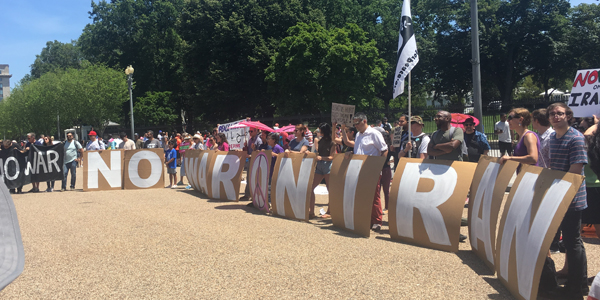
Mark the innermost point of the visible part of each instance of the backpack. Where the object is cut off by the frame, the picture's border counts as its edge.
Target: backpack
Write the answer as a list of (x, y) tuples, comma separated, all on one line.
[(463, 146), (416, 142)]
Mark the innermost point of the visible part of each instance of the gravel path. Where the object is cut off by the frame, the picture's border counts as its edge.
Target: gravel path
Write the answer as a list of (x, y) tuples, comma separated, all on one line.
[(175, 244)]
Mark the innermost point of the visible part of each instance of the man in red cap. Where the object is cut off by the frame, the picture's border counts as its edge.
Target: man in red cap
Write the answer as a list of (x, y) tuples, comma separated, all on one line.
[(93, 143)]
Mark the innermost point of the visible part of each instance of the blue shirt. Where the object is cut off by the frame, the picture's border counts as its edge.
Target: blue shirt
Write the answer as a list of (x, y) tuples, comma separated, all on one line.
[(172, 154), (297, 146), (565, 151)]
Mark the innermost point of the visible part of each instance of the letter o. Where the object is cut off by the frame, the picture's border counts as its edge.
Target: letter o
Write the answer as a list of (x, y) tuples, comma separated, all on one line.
[(593, 75), (155, 173), (12, 158)]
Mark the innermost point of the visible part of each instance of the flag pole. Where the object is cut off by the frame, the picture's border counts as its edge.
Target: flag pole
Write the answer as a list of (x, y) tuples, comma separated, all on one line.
[(409, 138)]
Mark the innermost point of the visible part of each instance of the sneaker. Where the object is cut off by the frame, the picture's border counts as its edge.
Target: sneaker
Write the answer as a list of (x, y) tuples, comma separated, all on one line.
[(72, 188), (174, 186), (180, 183), (168, 187), (464, 222), (48, 190), (462, 238), (33, 190), (188, 187), (63, 190), (376, 227)]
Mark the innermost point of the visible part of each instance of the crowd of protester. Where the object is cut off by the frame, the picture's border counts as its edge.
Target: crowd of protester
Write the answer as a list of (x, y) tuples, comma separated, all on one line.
[(559, 142)]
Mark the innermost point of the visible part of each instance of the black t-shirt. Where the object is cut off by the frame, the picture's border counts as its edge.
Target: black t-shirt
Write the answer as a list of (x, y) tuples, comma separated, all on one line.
[(325, 147)]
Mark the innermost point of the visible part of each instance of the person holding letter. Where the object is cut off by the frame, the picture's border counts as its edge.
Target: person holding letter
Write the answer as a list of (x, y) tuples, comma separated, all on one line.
[(369, 142), (567, 153), (299, 144), (527, 149), (325, 152), (445, 143)]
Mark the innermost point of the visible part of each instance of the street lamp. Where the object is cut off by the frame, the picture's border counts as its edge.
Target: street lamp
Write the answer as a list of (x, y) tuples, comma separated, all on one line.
[(129, 72)]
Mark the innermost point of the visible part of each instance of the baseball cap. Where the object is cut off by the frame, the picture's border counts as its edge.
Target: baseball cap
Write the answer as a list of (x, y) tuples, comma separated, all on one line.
[(416, 119), (92, 133), (197, 136)]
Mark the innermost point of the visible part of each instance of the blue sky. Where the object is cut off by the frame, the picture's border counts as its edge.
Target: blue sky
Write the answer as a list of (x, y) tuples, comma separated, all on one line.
[(30, 24)]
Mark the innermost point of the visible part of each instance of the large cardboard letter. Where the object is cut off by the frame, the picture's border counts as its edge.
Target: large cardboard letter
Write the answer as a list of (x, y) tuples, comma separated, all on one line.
[(144, 169), (535, 207), (352, 186), (96, 162), (292, 180), (487, 192), (226, 174), (12, 254), (258, 178), (436, 189)]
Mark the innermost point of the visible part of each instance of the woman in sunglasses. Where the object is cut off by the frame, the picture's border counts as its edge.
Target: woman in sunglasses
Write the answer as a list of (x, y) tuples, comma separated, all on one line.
[(299, 144), (527, 149)]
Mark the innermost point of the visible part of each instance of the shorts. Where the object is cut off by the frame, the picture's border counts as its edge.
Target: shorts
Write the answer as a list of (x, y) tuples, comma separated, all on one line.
[(323, 167), (171, 170)]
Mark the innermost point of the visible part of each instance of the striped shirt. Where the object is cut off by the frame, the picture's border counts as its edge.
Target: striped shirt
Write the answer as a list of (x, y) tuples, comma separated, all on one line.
[(565, 151)]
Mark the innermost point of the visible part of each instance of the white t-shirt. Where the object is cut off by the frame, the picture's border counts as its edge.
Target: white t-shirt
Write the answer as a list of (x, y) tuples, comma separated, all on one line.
[(424, 142), (505, 135), (94, 146), (370, 142)]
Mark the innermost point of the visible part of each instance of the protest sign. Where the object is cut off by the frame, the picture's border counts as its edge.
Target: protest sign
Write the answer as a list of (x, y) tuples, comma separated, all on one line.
[(397, 137), (143, 168), (342, 114), (259, 178), (437, 190), (537, 202), (236, 136), (13, 168), (217, 174), (584, 95), (486, 196), (12, 256), (352, 185), (46, 162), (97, 175), (291, 183)]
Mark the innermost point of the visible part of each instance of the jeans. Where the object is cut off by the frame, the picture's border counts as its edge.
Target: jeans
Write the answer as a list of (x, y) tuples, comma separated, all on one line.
[(73, 167), (576, 257), (182, 168)]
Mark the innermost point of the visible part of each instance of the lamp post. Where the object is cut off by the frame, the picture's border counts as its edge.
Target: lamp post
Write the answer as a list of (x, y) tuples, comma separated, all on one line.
[(129, 72)]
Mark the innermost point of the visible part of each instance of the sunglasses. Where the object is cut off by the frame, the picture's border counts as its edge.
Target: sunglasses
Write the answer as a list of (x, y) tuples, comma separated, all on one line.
[(470, 124), (251, 131), (510, 117)]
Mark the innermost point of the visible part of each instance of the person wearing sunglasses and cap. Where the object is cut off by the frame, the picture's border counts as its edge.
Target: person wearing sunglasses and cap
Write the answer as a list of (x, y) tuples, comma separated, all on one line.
[(477, 143)]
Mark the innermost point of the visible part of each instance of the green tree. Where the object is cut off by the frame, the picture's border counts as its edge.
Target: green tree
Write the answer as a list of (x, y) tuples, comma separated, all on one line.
[(138, 33), (156, 108), (315, 67), (57, 56), (89, 96), (229, 45)]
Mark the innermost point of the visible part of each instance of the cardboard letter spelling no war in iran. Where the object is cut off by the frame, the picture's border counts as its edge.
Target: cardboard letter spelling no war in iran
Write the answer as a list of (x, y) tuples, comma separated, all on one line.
[(426, 202)]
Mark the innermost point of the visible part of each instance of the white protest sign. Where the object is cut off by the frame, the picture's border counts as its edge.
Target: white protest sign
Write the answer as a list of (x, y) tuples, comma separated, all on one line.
[(236, 136), (342, 113), (584, 96), (397, 137)]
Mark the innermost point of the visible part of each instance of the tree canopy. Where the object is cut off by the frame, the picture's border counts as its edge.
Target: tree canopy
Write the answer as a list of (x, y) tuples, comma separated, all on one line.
[(222, 60)]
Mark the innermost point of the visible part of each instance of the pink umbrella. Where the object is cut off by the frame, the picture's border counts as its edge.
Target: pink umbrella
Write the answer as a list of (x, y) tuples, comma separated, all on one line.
[(255, 124), (458, 120), (288, 128)]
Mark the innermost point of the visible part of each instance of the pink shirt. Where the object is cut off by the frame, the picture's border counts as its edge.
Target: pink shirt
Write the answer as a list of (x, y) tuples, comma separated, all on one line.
[(224, 147)]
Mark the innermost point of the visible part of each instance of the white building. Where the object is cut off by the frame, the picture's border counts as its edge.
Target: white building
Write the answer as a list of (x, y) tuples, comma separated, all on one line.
[(4, 81)]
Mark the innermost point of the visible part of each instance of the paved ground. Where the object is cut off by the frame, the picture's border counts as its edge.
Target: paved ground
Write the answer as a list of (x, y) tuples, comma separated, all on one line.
[(175, 244)]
